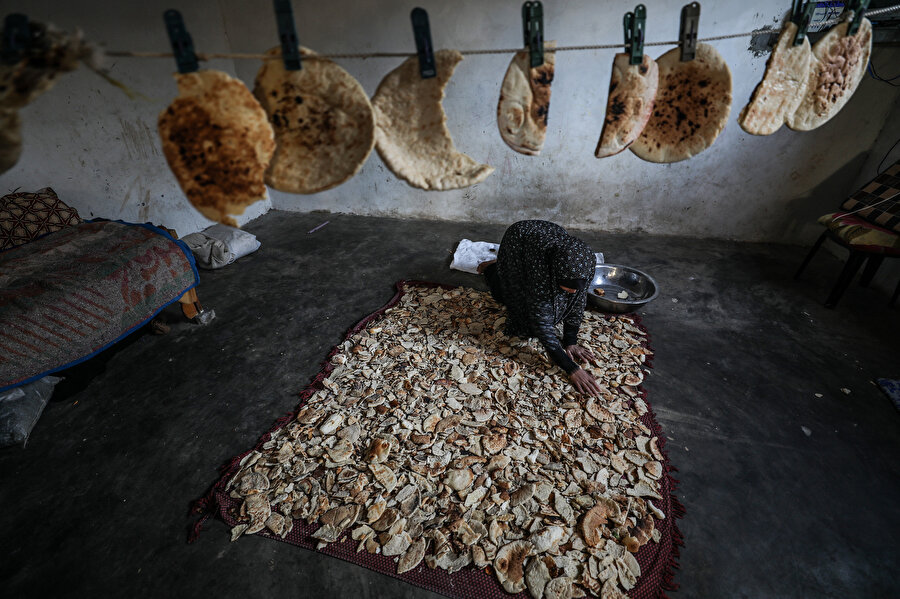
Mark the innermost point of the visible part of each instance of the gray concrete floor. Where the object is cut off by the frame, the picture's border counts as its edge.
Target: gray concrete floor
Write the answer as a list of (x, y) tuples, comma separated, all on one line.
[(96, 505)]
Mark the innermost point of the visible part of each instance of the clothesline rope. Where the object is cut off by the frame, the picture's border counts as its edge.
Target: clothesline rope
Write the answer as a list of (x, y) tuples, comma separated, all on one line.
[(204, 56)]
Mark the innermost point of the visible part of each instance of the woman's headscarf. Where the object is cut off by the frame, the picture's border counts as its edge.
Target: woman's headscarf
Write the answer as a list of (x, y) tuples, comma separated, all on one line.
[(534, 258)]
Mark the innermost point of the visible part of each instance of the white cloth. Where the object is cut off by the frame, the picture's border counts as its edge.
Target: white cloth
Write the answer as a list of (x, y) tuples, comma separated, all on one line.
[(469, 254), (220, 245)]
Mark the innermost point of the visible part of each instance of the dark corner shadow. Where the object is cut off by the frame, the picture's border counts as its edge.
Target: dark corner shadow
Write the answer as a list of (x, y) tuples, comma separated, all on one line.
[(822, 199)]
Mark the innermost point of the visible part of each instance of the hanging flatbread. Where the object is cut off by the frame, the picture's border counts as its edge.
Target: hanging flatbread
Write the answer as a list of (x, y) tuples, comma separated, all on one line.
[(323, 122), (525, 102), (632, 93), (10, 138), (838, 65), (411, 133), (692, 106), (218, 143), (782, 88)]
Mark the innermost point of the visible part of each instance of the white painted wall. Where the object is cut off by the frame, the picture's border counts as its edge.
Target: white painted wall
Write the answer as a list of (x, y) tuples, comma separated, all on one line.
[(100, 151)]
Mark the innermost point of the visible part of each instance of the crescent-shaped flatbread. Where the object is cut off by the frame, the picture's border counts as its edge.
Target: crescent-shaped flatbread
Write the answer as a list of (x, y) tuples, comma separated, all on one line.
[(692, 106), (323, 122), (10, 138), (218, 143), (525, 102), (838, 65), (411, 133), (632, 93), (782, 88)]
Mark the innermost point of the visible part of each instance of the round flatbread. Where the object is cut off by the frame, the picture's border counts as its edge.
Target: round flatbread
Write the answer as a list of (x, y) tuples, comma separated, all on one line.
[(692, 106), (411, 133), (838, 65), (323, 121), (525, 102), (10, 138), (782, 88), (218, 143), (632, 93)]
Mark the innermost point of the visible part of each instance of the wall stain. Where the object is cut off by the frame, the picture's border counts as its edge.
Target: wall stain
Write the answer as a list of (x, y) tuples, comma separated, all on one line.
[(140, 142)]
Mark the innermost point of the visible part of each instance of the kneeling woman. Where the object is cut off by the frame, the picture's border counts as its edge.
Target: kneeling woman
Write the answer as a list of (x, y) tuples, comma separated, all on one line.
[(541, 275)]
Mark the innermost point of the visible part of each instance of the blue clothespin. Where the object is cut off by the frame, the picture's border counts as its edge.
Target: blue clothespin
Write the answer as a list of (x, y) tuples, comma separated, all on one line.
[(16, 38), (859, 9), (290, 46), (635, 23), (424, 47), (687, 36), (182, 44), (802, 20), (533, 30)]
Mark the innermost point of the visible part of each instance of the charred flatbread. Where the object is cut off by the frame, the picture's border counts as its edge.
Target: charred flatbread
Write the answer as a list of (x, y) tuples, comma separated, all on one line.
[(525, 102), (691, 108), (632, 93), (411, 133), (323, 122), (218, 143), (838, 65), (782, 88)]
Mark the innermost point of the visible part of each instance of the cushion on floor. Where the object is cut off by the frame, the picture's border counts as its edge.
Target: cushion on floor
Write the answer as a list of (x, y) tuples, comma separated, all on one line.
[(878, 202), (860, 234), (25, 216)]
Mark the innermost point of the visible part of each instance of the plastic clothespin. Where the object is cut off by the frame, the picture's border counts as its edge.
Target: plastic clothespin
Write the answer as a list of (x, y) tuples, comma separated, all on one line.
[(635, 24), (803, 19), (424, 47), (290, 46), (687, 36), (182, 44), (533, 31), (16, 38), (796, 13), (859, 9)]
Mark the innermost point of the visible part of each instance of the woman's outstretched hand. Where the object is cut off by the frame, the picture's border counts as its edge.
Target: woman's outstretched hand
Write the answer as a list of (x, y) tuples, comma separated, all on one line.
[(583, 382), (581, 354)]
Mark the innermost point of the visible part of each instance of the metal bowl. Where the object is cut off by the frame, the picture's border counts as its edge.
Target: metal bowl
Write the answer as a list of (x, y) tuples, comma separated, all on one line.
[(614, 279)]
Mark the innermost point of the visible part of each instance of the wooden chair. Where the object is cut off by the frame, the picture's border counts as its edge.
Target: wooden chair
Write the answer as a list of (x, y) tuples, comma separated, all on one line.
[(868, 227)]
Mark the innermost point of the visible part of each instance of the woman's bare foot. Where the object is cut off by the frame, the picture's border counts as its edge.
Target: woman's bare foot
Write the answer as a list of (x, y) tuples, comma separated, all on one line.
[(484, 265)]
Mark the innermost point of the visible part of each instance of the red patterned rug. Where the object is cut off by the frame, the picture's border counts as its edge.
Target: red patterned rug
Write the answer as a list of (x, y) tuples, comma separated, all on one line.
[(656, 558)]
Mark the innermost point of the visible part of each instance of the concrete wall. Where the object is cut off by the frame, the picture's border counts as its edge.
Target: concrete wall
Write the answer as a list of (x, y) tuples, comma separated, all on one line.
[(100, 150)]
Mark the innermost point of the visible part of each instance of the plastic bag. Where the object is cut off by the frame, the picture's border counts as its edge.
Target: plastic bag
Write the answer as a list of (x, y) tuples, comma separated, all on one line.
[(21, 407)]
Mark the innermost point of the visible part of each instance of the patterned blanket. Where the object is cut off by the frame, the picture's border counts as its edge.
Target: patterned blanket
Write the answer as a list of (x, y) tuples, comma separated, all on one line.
[(69, 295)]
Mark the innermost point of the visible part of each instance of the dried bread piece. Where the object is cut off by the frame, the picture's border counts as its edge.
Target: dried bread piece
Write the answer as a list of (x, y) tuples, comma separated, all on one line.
[(838, 65), (10, 138), (218, 143), (692, 106), (782, 88), (411, 133), (632, 92), (525, 102), (323, 122)]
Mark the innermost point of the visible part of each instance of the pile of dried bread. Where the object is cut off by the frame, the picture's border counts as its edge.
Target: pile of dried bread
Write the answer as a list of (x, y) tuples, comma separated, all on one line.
[(438, 439)]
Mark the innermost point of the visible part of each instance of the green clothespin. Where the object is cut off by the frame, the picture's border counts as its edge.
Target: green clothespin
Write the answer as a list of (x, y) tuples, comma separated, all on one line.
[(533, 30), (802, 21), (859, 9), (796, 13), (635, 24)]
